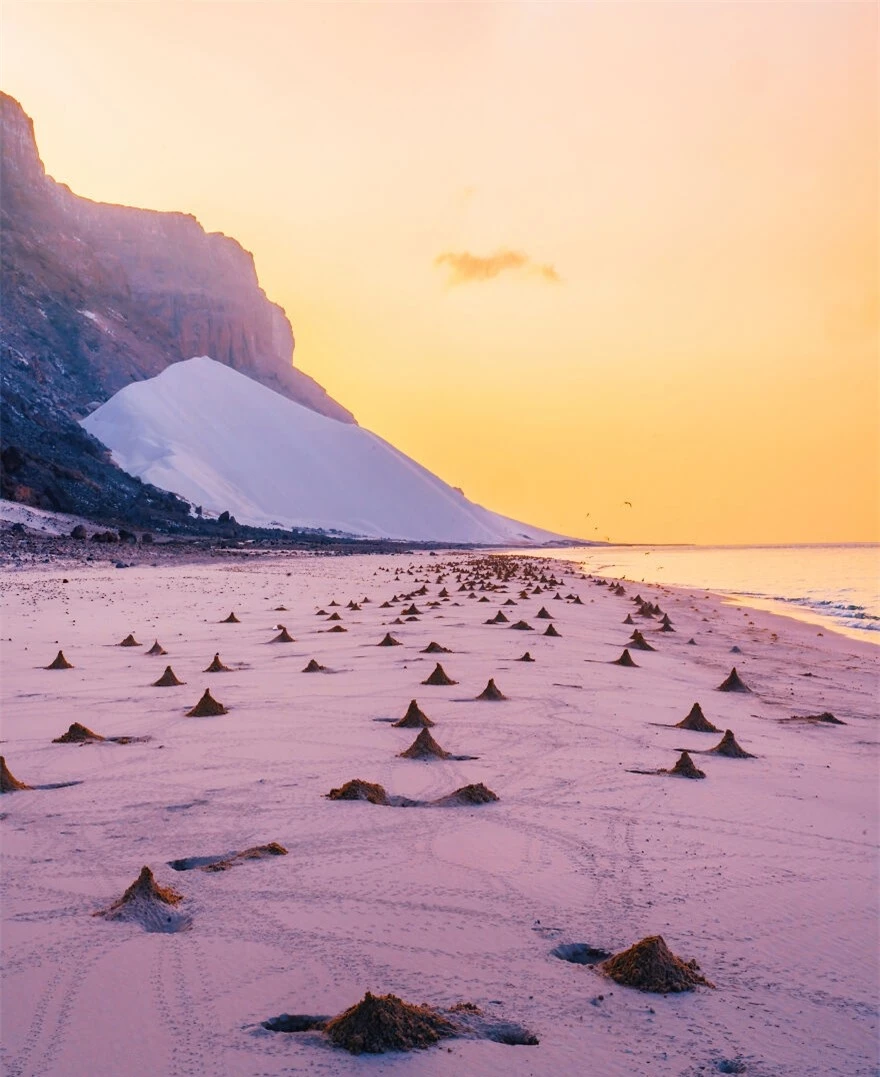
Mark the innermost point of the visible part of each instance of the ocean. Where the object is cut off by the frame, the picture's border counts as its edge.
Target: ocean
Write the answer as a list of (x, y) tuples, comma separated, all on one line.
[(834, 586)]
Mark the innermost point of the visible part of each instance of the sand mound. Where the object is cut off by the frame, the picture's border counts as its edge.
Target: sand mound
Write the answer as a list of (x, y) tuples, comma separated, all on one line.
[(650, 965), (60, 662), (666, 627), (435, 648), (686, 768), (424, 747), (544, 614), (217, 666), (314, 667), (9, 783), (386, 1023), (157, 649), (728, 746), (467, 794), (337, 628), (639, 643), (283, 636), (230, 620), (825, 717), (552, 631), (129, 641), (492, 692), (77, 734), (625, 660), (525, 658), (280, 609), (207, 707), (168, 679), (521, 626), (149, 904), (414, 718), (439, 677), (256, 852), (499, 619), (733, 683), (357, 789), (696, 721), (389, 641), (335, 617)]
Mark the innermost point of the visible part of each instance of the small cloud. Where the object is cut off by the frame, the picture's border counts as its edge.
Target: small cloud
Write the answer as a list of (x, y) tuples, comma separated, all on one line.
[(467, 268)]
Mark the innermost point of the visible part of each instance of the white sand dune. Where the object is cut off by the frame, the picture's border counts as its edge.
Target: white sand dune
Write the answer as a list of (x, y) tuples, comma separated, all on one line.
[(227, 443), (765, 872)]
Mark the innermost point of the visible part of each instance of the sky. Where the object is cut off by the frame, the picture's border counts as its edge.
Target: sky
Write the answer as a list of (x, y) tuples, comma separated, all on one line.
[(611, 268)]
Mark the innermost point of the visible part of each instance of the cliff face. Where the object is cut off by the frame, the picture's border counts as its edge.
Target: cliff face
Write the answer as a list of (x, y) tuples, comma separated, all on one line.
[(96, 296)]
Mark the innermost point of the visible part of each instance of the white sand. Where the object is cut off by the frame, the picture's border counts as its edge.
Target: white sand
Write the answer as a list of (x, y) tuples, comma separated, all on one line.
[(765, 872)]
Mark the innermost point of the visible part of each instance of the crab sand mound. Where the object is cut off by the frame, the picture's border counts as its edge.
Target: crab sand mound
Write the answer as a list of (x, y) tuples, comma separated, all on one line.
[(650, 965), (152, 906), (380, 1023)]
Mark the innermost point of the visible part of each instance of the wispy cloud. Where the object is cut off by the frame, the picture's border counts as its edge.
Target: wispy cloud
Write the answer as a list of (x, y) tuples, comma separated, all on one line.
[(467, 268)]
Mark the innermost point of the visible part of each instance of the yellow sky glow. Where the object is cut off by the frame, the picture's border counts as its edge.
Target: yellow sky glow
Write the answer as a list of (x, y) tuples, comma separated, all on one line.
[(692, 189)]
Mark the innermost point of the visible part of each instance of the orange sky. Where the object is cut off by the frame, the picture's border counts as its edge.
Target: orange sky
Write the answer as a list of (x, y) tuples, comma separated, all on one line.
[(683, 199)]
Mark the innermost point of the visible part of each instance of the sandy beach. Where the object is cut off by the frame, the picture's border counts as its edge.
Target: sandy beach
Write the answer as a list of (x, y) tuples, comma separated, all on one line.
[(765, 872)]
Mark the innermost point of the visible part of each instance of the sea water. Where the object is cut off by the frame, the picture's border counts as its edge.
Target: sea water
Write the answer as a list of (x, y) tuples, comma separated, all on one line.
[(836, 586)]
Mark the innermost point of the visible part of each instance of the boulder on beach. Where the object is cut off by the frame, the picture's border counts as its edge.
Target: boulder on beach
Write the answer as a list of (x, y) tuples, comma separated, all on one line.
[(314, 667), (686, 768), (357, 789), (414, 718), (217, 666), (696, 721), (733, 683), (380, 1023), (78, 734), (230, 620), (129, 641), (650, 965), (492, 693), (8, 782), (729, 747), (467, 794), (439, 677), (157, 649), (60, 662), (625, 659), (168, 679), (207, 707), (424, 747), (389, 641)]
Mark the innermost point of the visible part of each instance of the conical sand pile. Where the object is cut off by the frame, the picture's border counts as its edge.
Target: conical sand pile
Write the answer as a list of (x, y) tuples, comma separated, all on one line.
[(686, 768), (728, 746), (733, 683), (435, 648), (217, 666), (314, 667), (492, 692), (283, 636), (414, 718), (129, 641), (149, 904), (389, 641), (337, 628), (552, 631), (498, 619), (168, 679), (9, 783), (157, 649), (525, 658), (357, 789), (639, 643), (207, 707), (230, 620), (380, 1023), (544, 614), (467, 794), (666, 627), (60, 662), (424, 747), (625, 660), (521, 626), (696, 721), (650, 965), (256, 852), (77, 734), (439, 677)]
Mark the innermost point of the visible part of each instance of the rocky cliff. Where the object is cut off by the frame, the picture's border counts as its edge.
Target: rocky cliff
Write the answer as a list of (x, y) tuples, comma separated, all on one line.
[(95, 296)]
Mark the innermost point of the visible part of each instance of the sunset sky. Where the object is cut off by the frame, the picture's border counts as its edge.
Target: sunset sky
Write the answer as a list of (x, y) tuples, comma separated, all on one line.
[(565, 255)]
